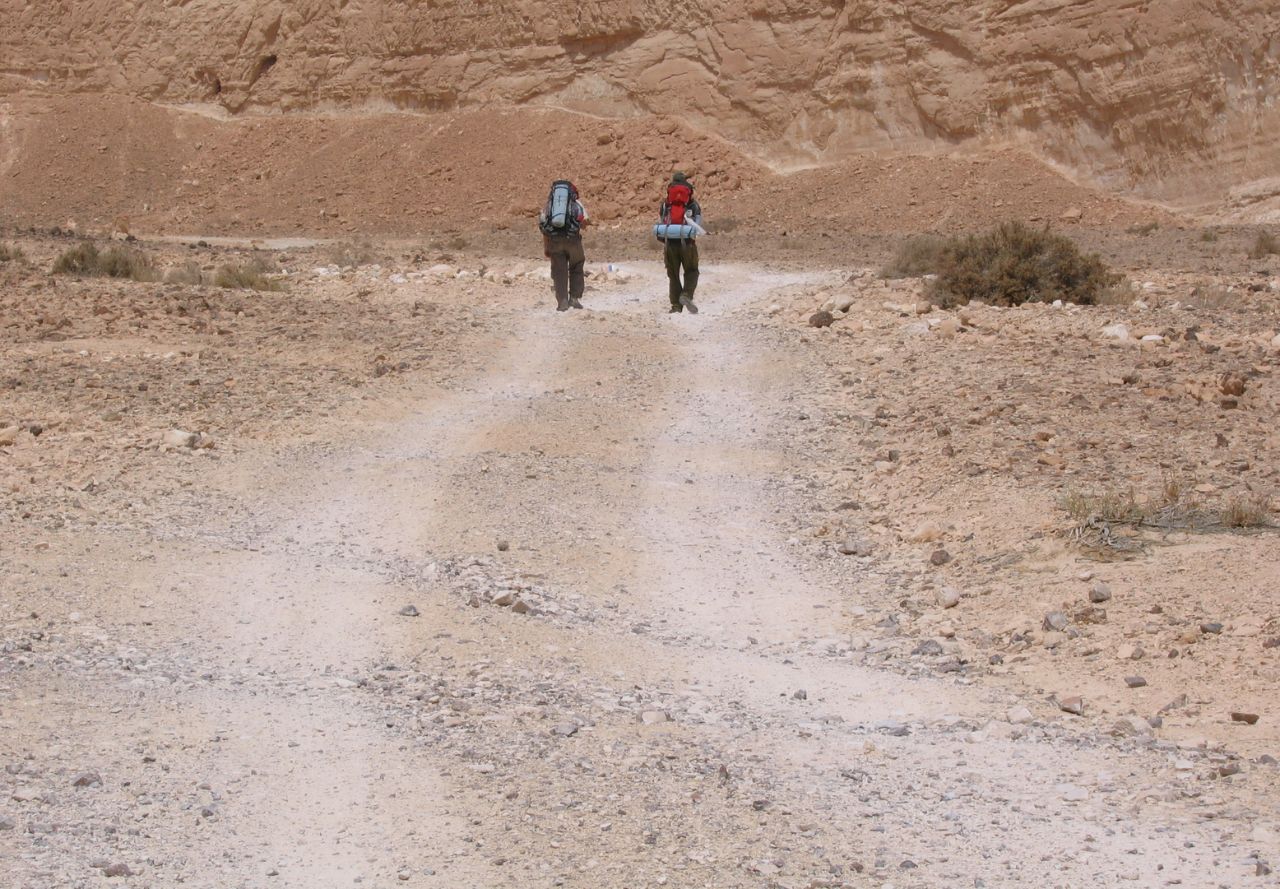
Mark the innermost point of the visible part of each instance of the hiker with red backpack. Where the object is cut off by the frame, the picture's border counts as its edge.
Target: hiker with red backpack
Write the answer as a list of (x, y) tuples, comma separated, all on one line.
[(680, 226), (561, 222)]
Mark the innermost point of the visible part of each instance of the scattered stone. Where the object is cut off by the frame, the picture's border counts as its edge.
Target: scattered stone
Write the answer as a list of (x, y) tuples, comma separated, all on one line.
[(177, 438), (929, 648), (948, 597), (893, 729), (1099, 593), (929, 532), (1056, 621), (1176, 704), (88, 779), (855, 547), (1072, 793), (800, 695), (1246, 718), (1073, 705), (9, 436), (565, 729), (503, 546), (1229, 769), (520, 606), (119, 869), (409, 611), (1135, 682), (505, 599), (939, 558), (1132, 726), (654, 717), (1019, 715), (7, 823), (821, 319), (1211, 628)]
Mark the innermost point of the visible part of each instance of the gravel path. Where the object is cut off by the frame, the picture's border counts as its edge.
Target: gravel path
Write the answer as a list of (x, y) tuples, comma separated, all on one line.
[(545, 628)]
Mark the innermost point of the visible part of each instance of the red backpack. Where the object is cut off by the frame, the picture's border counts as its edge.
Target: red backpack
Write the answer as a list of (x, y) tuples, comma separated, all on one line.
[(678, 198)]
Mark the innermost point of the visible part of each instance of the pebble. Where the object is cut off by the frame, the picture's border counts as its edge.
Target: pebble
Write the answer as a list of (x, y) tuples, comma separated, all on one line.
[(855, 547), (1056, 621), (654, 717), (1212, 628), (1099, 593), (948, 597), (409, 611), (939, 558), (1019, 715), (119, 869), (565, 729), (1074, 705), (88, 779), (1135, 681), (1073, 793), (1246, 718)]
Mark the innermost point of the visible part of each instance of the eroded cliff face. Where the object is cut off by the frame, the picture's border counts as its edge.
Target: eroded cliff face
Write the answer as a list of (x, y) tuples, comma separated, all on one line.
[(1174, 99)]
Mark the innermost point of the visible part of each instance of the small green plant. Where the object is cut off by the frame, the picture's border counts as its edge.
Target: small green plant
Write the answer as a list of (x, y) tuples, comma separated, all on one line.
[(1264, 245), (1015, 264), (11, 254), (86, 260), (917, 256)]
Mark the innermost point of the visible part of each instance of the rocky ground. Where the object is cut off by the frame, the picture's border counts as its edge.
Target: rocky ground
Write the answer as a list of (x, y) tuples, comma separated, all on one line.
[(398, 577)]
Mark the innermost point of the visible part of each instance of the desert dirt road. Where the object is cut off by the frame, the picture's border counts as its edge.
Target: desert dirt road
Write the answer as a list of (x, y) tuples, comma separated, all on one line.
[(618, 666)]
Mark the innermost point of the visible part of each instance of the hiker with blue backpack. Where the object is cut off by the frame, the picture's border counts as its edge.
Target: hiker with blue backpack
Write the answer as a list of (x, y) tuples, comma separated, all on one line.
[(562, 221), (681, 223)]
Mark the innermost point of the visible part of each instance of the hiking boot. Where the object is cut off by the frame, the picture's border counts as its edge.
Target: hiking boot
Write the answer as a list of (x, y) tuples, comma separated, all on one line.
[(687, 302), (675, 310), (574, 303), (562, 305)]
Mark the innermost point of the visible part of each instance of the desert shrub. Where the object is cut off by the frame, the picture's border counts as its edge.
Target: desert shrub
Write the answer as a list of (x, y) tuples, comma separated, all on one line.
[(1264, 245), (726, 225), (11, 254), (253, 275), (187, 273), (1014, 264), (917, 256), (1246, 511), (1209, 236), (115, 262), (1143, 228)]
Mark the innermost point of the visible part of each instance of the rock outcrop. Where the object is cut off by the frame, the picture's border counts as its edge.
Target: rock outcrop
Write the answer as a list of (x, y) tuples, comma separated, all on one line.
[(1169, 99)]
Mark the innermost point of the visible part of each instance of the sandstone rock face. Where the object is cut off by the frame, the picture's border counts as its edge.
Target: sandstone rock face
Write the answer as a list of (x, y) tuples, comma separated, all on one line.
[(1167, 98)]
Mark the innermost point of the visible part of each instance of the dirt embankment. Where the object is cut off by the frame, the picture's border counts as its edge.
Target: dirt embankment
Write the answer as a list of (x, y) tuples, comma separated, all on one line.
[(126, 165)]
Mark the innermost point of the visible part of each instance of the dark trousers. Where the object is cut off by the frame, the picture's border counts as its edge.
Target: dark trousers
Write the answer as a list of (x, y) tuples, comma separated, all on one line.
[(567, 259), (682, 255)]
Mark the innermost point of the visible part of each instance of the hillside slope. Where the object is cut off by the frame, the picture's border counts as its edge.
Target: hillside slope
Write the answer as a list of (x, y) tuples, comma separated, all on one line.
[(1170, 99)]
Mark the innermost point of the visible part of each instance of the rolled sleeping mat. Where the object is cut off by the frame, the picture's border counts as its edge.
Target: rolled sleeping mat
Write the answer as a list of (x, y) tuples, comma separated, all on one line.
[(671, 232)]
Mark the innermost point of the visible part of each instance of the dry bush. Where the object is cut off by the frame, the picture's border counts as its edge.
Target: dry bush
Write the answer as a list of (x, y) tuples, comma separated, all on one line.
[(187, 273), (917, 256), (1111, 507), (1143, 228), (253, 275), (1247, 511), (11, 254), (1013, 264), (115, 262), (726, 225), (1209, 236), (1264, 245)]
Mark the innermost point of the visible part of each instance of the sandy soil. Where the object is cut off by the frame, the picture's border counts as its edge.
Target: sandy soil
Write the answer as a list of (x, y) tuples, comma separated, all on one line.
[(469, 593)]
